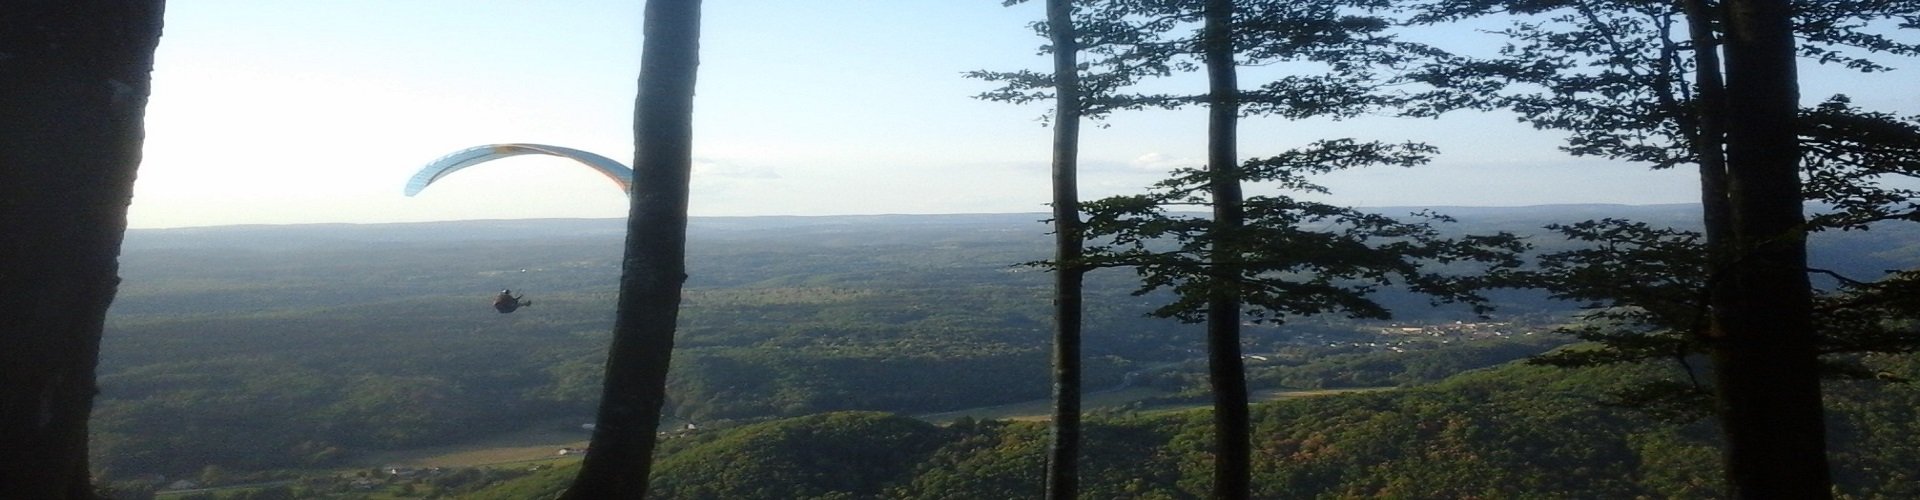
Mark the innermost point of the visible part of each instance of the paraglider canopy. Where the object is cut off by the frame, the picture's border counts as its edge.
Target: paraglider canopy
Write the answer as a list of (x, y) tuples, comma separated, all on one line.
[(464, 158)]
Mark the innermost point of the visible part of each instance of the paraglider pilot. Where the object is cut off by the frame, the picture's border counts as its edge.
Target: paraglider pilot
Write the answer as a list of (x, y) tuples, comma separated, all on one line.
[(506, 302)]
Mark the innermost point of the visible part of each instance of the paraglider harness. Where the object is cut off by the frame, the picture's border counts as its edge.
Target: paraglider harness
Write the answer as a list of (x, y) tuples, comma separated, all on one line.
[(506, 302)]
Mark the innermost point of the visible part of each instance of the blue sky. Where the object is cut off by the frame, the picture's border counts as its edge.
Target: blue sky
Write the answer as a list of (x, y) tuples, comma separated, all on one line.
[(302, 112)]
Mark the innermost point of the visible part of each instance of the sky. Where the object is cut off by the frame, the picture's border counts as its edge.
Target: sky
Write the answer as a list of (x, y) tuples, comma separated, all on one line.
[(319, 112)]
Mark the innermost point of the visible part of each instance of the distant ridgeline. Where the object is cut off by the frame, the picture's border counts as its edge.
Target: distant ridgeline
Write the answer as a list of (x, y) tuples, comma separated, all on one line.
[(254, 348)]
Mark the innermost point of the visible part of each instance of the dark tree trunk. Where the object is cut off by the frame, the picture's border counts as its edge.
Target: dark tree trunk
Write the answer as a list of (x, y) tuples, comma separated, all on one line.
[(1709, 131), (1232, 472), (654, 268), (1063, 444), (74, 80), (73, 91), (1767, 366)]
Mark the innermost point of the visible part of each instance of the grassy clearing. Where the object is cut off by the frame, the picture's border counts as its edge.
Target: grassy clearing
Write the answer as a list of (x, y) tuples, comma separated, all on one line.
[(531, 444), (1279, 394)]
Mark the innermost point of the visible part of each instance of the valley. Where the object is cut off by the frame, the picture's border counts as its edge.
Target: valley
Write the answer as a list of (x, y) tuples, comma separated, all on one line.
[(259, 353)]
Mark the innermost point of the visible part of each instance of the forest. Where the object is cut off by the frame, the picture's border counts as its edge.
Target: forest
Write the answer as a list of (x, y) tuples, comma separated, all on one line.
[(1513, 431), (219, 326), (253, 352), (1756, 344)]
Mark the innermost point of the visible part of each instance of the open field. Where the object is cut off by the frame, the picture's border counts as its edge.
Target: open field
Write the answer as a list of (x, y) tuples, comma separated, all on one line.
[(1279, 394), (531, 444)]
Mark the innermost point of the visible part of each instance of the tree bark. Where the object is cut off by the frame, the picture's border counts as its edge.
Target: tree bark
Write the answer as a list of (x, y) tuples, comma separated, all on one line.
[(74, 81), (1708, 121), (1063, 443), (1767, 368), (654, 267), (1232, 472)]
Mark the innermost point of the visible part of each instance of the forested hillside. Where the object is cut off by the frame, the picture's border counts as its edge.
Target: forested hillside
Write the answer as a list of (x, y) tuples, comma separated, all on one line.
[(244, 349), (271, 347), (1512, 432)]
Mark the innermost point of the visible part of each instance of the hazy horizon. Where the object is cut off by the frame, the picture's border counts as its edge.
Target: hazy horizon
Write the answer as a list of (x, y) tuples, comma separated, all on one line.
[(1036, 213), (313, 112)]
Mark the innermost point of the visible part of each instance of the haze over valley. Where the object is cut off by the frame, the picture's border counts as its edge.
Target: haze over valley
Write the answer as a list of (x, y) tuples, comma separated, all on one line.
[(254, 353)]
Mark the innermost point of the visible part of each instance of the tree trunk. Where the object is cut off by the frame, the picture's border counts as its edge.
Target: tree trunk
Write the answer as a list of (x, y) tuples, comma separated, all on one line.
[(73, 85), (654, 268), (1063, 444), (1709, 130), (1232, 473), (1767, 366), (74, 80)]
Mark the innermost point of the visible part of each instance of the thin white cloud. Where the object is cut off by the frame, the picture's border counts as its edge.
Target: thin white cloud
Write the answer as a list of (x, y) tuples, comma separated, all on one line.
[(1162, 162)]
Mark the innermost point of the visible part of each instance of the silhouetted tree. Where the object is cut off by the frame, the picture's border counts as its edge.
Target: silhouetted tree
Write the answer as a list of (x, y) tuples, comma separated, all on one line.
[(1131, 39), (1766, 368), (654, 268), (1251, 252), (1619, 75), (1063, 444), (74, 81), (1226, 373)]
